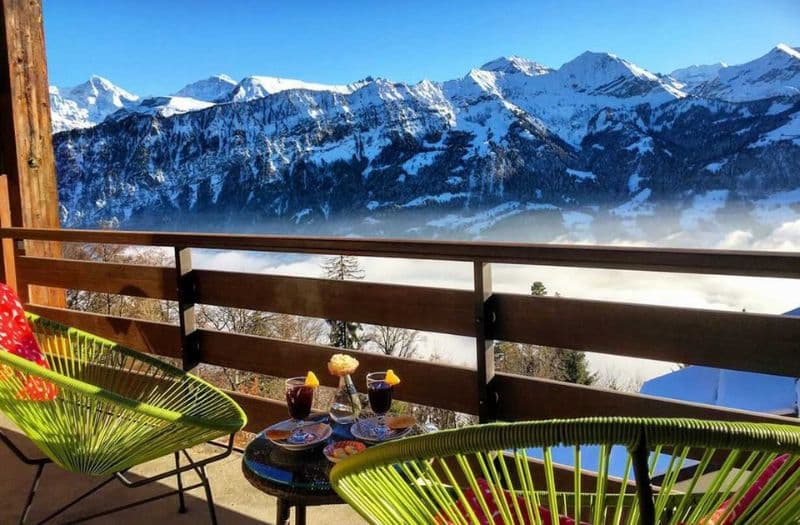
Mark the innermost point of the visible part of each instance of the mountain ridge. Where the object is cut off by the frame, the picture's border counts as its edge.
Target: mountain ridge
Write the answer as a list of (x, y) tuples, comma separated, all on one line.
[(598, 136)]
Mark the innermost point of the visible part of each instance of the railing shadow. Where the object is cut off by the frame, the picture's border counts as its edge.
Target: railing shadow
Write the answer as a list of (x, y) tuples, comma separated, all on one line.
[(59, 487)]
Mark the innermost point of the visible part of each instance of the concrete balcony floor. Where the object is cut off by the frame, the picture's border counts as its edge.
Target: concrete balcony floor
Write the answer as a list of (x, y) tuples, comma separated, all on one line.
[(237, 502)]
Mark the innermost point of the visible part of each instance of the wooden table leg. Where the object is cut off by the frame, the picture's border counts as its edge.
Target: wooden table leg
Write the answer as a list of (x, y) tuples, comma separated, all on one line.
[(300, 515), (282, 514)]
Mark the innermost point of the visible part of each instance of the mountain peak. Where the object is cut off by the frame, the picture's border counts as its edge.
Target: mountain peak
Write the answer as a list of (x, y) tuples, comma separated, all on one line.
[(515, 64), (604, 66), (788, 50), (774, 74), (97, 86), (211, 89), (696, 74), (253, 87)]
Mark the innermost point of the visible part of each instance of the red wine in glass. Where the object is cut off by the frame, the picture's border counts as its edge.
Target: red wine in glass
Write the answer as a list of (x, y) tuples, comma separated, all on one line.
[(380, 396), (380, 400), (299, 398)]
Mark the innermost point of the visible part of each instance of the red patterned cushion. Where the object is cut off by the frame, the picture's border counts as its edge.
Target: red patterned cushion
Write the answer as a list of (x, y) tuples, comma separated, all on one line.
[(752, 492), (496, 517), (17, 337)]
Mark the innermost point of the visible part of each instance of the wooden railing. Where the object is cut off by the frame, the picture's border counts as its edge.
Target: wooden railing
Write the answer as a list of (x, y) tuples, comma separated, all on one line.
[(733, 340)]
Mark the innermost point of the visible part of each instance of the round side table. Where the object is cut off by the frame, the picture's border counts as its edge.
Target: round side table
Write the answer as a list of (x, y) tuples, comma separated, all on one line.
[(296, 479)]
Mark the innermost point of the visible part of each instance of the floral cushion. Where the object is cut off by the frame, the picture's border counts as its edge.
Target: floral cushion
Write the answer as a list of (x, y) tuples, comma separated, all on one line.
[(496, 517), (752, 492), (17, 337)]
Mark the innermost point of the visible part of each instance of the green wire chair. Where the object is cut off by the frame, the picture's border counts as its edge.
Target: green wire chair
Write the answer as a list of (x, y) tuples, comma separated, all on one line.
[(675, 472), (111, 408)]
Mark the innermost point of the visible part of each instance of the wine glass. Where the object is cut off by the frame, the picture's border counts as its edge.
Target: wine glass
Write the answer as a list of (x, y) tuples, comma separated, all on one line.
[(380, 400), (299, 398)]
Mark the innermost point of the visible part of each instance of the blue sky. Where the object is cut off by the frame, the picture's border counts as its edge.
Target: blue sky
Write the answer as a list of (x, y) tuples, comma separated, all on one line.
[(157, 46)]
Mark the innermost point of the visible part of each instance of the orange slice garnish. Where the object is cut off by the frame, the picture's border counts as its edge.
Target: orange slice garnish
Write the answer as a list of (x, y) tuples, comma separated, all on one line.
[(311, 380), (391, 378)]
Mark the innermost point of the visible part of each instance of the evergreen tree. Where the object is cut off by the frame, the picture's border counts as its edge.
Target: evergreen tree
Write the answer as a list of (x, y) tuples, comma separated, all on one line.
[(343, 334), (543, 361)]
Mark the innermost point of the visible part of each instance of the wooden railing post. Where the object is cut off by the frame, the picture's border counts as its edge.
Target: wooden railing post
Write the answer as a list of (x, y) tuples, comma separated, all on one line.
[(487, 400), (26, 144), (9, 266), (190, 347)]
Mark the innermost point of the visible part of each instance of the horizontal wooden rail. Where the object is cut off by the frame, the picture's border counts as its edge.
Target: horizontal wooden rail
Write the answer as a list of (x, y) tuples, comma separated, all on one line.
[(421, 308), (736, 340), (155, 282), (145, 336), (524, 398), (445, 386), (261, 412), (720, 262)]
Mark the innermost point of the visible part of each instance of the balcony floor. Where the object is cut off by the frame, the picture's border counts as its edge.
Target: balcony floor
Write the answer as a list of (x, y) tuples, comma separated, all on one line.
[(237, 501)]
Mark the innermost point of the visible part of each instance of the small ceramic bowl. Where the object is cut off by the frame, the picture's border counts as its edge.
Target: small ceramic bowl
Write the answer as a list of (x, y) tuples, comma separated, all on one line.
[(339, 450)]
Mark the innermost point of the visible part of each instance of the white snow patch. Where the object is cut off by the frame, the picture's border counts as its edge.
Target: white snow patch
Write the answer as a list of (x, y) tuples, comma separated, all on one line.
[(714, 167), (703, 208), (582, 175), (637, 206), (297, 217), (420, 160), (634, 181), (789, 131), (454, 181), (643, 145), (437, 199)]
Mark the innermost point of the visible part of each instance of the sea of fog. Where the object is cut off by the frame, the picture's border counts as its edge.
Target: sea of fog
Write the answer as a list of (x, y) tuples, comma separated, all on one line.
[(761, 295)]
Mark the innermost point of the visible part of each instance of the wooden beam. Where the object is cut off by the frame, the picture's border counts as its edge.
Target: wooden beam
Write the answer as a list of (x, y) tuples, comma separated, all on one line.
[(26, 145), (424, 382), (442, 310), (484, 345), (698, 261), (145, 336), (186, 290), (9, 248), (763, 343), (155, 282), (526, 398)]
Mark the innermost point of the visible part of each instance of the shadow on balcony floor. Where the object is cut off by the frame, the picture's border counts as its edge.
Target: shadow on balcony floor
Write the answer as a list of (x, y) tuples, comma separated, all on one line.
[(237, 502)]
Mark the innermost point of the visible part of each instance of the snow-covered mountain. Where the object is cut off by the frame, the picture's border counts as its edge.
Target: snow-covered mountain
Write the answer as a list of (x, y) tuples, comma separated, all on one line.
[(514, 64), (161, 106), (597, 137), (211, 89), (251, 88), (692, 76), (775, 74), (87, 104)]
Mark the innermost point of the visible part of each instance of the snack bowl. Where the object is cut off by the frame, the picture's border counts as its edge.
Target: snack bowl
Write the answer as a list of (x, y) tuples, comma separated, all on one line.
[(339, 450)]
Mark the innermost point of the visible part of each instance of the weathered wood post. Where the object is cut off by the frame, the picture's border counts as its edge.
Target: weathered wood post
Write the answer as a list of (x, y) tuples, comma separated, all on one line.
[(487, 398), (26, 144)]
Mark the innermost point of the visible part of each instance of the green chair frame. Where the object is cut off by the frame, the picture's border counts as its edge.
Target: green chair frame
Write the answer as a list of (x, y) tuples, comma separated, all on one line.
[(702, 464), (114, 409)]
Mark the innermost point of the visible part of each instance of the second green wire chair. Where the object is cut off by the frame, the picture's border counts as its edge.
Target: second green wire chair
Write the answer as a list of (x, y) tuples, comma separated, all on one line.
[(673, 471)]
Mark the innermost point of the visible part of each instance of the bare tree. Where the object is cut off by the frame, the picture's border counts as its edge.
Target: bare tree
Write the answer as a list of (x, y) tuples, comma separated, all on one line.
[(396, 342)]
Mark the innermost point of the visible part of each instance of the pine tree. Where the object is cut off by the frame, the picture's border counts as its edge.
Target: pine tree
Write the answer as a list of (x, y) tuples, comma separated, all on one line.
[(543, 361), (343, 334)]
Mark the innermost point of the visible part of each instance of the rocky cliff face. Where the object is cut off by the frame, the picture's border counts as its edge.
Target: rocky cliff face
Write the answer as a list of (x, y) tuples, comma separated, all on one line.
[(598, 136)]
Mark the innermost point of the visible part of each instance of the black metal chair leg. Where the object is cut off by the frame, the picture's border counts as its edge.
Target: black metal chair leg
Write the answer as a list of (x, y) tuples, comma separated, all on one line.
[(181, 499), (282, 512), (212, 512), (299, 514), (31, 494)]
